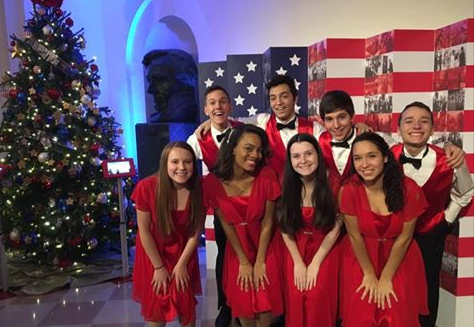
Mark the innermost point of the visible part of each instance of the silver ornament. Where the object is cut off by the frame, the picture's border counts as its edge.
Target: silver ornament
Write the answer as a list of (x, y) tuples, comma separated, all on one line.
[(85, 99), (47, 30), (96, 161), (43, 157)]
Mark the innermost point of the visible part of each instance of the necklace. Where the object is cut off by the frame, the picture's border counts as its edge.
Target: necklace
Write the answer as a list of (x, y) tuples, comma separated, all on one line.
[(235, 186)]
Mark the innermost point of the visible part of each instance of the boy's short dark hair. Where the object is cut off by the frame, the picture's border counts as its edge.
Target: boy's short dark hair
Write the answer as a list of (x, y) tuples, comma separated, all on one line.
[(336, 100), (417, 104), (216, 88), (282, 79)]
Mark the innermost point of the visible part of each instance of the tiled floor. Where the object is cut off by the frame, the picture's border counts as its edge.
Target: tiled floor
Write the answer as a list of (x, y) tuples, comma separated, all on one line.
[(101, 305)]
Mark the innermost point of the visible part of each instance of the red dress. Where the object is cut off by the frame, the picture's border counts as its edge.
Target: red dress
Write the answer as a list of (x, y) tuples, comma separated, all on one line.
[(379, 233), (245, 214), (316, 307), (176, 303)]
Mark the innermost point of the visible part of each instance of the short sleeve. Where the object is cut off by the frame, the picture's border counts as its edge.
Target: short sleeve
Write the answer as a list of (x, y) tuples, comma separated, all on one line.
[(142, 194), (273, 188), (415, 202), (348, 199)]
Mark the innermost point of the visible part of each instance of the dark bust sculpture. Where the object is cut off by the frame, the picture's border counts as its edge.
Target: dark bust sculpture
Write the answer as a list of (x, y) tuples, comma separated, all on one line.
[(172, 78)]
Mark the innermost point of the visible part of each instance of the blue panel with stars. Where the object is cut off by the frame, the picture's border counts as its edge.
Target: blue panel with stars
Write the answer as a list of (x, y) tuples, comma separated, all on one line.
[(210, 74), (245, 84), (290, 61)]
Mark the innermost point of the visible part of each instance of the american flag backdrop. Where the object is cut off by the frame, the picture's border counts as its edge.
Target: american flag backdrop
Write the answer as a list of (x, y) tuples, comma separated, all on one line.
[(245, 85), (382, 74), (336, 64)]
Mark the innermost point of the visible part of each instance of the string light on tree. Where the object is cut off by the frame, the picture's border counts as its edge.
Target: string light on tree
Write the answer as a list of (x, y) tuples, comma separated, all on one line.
[(55, 137)]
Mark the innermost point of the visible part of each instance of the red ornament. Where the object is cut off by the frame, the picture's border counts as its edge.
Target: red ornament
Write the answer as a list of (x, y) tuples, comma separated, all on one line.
[(48, 3), (94, 68), (87, 218), (38, 118), (64, 263), (53, 94), (13, 93), (58, 12), (95, 147), (15, 244), (75, 241), (25, 63), (47, 185), (69, 21)]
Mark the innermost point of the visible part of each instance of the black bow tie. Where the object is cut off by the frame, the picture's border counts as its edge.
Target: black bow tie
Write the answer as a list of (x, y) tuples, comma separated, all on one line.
[(416, 163), (343, 144), (221, 136), (289, 125)]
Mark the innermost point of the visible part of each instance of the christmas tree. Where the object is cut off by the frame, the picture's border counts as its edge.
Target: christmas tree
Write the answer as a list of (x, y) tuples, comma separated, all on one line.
[(55, 205)]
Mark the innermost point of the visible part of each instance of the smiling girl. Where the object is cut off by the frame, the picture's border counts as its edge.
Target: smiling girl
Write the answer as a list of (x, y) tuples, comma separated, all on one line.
[(170, 216), (383, 279), (242, 191), (307, 219)]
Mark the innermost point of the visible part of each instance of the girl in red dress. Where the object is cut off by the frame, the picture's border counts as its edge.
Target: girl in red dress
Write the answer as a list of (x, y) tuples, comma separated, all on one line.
[(170, 216), (383, 279), (307, 219), (242, 191)]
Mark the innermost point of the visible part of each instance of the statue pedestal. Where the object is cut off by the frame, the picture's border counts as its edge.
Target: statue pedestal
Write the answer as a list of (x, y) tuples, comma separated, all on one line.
[(152, 138)]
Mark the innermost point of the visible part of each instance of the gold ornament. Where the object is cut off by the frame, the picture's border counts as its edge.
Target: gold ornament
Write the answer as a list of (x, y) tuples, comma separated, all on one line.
[(16, 52)]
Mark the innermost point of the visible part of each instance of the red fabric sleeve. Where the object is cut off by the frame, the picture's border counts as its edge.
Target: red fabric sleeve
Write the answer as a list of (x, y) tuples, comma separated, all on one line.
[(349, 195), (414, 200), (143, 193), (274, 190)]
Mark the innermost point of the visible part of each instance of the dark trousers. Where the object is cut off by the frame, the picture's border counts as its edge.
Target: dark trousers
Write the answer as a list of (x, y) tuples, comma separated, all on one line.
[(221, 243), (432, 249)]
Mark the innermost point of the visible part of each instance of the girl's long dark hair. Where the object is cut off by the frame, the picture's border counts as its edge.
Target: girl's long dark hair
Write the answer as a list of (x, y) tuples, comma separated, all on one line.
[(166, 200), (392, 173), (289, 207), (223, 168)]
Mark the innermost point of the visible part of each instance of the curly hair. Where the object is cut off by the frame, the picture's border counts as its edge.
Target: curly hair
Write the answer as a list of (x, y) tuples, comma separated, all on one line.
[(289, 207), (223, 167), (392, 173)]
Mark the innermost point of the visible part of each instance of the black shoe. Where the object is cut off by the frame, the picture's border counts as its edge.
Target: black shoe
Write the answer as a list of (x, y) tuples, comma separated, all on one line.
[(278, 321), (224, 317)]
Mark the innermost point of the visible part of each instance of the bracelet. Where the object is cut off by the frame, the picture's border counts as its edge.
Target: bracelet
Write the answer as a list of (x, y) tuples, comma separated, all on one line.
[(158, 268)]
